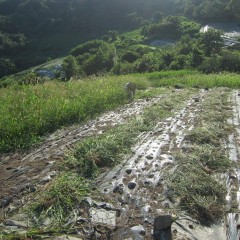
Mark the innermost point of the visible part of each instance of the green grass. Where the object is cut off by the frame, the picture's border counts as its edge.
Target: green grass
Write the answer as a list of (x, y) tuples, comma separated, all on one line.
[(28, 112), (60, 199), (189, 78)]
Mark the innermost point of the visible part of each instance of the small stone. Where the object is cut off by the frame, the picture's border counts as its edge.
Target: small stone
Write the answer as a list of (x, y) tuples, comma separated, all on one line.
[(47, 222), (147, 182), (132, 185), (129, 171), (138, 230), (191, 226), (103, 205), (118, 189), (150, 156), (5, 201)]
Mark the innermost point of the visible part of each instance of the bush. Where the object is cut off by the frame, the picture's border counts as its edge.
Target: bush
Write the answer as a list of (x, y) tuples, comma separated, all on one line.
[(211, 65), (231, 61), (102, 61), (90, 46)]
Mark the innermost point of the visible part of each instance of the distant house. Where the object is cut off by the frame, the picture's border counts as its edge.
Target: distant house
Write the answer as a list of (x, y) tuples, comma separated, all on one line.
[(205, 29)]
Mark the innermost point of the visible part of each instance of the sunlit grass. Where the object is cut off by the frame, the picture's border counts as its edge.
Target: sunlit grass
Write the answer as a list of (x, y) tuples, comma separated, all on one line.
[(193, 79), (29, 112)]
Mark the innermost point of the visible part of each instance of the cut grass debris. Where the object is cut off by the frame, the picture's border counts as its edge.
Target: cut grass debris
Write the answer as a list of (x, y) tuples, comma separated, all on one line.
[(198, 192), (194, 183)]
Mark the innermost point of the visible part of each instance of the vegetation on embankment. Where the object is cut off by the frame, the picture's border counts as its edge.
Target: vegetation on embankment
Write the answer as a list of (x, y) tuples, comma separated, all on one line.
[(29, 112)]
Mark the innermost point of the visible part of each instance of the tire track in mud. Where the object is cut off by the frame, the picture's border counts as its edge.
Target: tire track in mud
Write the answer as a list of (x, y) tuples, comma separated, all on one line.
[(137, 186), (23, 173)]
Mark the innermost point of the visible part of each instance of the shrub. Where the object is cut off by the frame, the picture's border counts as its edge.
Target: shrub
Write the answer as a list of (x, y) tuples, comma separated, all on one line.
[(90, 46)]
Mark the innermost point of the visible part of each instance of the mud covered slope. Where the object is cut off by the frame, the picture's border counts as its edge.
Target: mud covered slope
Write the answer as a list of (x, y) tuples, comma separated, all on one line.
[(180, 181)]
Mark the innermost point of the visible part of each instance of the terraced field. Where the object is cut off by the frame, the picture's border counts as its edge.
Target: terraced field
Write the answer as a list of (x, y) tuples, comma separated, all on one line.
[(180, 180)]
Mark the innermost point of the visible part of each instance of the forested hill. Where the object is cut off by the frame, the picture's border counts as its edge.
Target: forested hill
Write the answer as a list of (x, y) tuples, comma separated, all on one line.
[(32, 31)]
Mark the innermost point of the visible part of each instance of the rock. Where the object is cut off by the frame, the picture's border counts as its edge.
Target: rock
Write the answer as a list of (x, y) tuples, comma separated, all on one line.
[(118, 189), (103, 205), (5, 201), (139, 230), (103, 216), (132, 185), (129, 171), (47, 222), (149, 156)]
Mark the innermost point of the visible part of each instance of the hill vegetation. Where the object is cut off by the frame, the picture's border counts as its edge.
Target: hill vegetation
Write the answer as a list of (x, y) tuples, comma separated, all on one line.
[(33, 31)]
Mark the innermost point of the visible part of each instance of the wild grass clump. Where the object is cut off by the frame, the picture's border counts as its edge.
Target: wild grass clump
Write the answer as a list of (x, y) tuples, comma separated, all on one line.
[(205, 135), (29, 112), (211, 158), (65, 192), (104, 150)]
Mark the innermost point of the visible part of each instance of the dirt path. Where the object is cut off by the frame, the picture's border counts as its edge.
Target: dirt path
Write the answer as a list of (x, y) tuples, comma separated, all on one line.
[(24, 173)]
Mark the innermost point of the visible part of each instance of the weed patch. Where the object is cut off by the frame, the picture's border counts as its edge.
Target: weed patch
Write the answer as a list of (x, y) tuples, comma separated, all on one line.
[(65, 193)]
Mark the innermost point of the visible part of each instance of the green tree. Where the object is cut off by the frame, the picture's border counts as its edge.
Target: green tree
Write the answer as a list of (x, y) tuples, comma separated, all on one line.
[(212, 42), (70, 67)]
